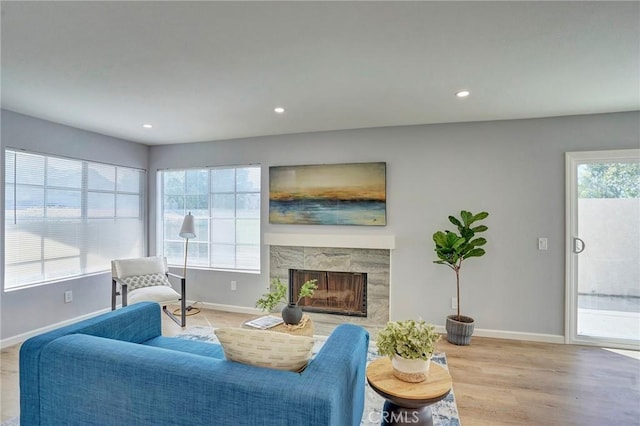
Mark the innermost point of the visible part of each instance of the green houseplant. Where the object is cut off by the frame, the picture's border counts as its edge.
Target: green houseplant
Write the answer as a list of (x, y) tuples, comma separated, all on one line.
[(409, 344), (452, 249), (291, 313)]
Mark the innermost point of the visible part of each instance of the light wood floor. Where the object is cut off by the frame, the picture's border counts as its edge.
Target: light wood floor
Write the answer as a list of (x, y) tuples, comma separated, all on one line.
[(496, 382)]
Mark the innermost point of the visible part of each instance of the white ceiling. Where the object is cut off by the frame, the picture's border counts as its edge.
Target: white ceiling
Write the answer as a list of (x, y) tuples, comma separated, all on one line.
[(203, 71)]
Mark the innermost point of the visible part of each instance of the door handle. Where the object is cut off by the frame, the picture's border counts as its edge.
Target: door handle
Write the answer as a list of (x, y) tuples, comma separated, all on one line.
[(578, 245)]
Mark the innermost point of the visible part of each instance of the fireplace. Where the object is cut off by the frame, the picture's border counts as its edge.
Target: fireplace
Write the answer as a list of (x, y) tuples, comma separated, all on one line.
[(338, 293), (361, 255)]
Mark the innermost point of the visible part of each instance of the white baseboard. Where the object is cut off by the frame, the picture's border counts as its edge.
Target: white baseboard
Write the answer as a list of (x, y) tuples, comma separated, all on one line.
[(14, 340), (479, 332), (231, 308), (511, 335), (520, 335)]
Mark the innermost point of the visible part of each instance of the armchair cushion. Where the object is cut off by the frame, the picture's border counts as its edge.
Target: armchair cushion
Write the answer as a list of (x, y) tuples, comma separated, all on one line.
[(160, 294), (270, 349), (146, 278), (150, 280), (141, 266)]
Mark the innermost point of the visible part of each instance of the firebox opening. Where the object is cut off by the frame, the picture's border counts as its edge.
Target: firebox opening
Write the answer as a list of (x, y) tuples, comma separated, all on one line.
[(339, 293)]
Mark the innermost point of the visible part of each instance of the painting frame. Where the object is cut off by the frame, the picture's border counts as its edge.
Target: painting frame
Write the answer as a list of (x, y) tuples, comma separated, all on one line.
[(329, 194)]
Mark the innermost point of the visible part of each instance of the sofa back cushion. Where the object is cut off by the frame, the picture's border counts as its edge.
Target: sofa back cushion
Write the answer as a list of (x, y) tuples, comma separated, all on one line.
[(263, 348)]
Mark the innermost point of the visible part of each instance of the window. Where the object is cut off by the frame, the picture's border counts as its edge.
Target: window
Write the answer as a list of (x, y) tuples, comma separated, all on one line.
[(66, 218), (225, 203)]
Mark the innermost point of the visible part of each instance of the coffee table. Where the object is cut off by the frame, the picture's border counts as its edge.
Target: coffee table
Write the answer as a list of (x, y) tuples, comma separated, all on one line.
[(305, 330), (407, 403)]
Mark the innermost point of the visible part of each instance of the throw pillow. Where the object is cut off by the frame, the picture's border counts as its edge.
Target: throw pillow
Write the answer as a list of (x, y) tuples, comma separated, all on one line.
[(149, 280), (268, 349)]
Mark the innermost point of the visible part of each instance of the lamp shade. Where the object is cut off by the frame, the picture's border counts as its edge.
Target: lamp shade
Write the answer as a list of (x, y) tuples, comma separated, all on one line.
[(188, 229)]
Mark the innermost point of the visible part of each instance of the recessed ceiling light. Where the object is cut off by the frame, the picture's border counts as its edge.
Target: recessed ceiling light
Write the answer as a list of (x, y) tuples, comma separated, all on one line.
[(279, 110), (147, 126), (463, 93)]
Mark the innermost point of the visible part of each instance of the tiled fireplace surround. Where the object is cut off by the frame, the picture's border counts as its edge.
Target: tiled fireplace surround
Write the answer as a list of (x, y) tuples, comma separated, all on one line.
[(366, 257)]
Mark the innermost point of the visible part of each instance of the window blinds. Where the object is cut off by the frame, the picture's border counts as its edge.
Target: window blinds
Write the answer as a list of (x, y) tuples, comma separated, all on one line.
[(66, 218)]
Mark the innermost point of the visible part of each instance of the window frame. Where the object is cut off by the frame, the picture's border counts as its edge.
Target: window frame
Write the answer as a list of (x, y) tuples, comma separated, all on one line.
[(162, 240)]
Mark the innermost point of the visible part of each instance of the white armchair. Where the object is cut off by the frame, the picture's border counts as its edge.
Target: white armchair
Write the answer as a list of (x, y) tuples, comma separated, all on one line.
[(147, 279)]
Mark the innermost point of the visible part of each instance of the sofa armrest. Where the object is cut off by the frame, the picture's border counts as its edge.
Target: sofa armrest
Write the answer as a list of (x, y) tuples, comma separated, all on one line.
[(111, 383), (346, 351), (136, 323)]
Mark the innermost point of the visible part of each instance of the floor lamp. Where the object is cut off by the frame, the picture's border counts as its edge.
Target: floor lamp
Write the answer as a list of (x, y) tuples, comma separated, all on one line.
[(187, 231)]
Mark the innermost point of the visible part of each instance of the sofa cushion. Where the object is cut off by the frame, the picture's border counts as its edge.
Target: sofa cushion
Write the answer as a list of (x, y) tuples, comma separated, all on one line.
[(195, 347), (268, 349)]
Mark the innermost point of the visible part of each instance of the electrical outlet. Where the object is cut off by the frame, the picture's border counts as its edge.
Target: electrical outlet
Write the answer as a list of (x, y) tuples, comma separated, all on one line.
[(542, 243), (454, 303), (68, 296), (234, 285)]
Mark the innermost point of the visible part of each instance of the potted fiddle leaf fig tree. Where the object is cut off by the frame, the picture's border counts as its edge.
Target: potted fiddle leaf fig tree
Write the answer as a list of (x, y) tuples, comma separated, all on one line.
[(452, 248), (291, 313)]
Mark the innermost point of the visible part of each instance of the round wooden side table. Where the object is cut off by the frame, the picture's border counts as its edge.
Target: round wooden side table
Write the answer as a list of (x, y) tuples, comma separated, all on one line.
[(407, 403)]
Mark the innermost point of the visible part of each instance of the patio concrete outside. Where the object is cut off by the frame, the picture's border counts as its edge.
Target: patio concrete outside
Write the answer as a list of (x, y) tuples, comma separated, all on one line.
[(612, 324)]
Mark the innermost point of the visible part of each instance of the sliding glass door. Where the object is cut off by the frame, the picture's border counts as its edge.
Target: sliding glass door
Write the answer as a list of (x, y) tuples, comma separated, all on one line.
[(603, 248)]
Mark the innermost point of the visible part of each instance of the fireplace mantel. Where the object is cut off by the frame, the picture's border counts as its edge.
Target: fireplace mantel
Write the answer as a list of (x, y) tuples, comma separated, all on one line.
[(331, 240)]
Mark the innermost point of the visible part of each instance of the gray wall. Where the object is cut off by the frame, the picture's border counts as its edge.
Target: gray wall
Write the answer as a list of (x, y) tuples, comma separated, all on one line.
[(27, 309), (513, 169)]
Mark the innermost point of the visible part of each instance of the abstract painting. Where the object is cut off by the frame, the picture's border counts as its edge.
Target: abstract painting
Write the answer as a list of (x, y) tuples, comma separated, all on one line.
[(328, 194)]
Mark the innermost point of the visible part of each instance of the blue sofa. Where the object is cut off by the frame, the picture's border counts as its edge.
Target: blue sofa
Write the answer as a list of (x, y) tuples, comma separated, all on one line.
[(117, 369)]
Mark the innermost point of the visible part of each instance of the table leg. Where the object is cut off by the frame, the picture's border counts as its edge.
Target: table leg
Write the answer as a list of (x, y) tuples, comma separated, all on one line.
[(395, 415)]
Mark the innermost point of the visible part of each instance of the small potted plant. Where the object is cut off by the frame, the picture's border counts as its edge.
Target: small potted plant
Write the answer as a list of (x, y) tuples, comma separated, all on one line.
[(409, 344), (291, 313), (452, 248)]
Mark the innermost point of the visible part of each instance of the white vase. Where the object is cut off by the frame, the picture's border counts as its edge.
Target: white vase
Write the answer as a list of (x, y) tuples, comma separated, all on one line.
[(410, 370)]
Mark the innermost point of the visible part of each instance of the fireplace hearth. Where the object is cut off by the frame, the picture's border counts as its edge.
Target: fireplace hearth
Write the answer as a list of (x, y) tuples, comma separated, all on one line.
[(338, 293)]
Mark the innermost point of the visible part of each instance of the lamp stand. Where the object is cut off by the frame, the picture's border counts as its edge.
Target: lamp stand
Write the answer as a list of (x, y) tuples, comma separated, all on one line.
[(186, 250), (187, 231), (190, 310)]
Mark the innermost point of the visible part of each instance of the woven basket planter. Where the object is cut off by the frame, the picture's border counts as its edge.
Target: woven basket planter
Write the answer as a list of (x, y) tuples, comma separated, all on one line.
[(410, 370), (459, 332)]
